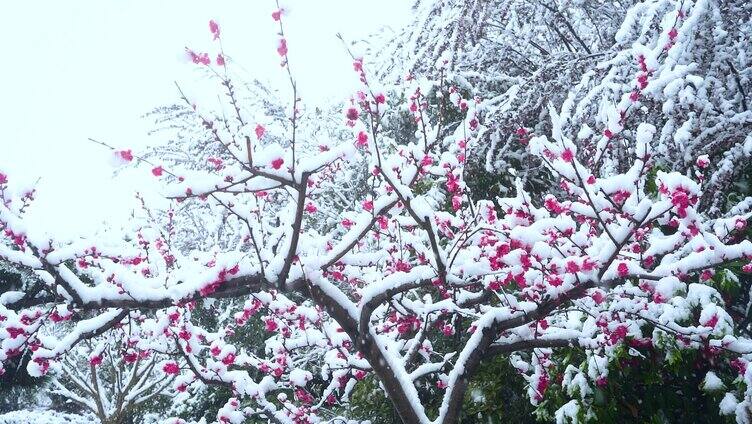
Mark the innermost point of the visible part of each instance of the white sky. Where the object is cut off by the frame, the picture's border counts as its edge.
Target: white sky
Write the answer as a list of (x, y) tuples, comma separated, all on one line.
[(92, 68)]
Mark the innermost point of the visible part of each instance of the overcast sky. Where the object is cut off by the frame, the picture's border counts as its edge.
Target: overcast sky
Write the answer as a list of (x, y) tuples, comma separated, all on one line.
[(80, 69)]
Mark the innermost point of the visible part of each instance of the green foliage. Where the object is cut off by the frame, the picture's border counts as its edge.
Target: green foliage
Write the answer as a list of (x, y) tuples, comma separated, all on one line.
[(18, 389), (398, 123), (10, 279), (497, 394), (368, 402), (651, 187), (648, 385)]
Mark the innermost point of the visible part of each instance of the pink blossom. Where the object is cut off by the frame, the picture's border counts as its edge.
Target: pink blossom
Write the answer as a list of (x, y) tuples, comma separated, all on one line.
[(456, 202), (451, 184), (270, 324), (311, 208), (277, 15), (95, 360), (711, 322), (352, 113), (214, 28), (740, 365), (220, 60), (402, 266), (157, 171), (229, 359), (215, 350), (260, 130), (3, 178), (171, 368), (130, 357), (277, 163), (282, 47), (623, 269), (358, 65), (126, 155), (619, 333), (572, 267), (362, 139), (542, 385), (643, 64), (217, 162), (642, 80), (55, 316), (303, 396), (199, 58), (553, 205), (44, 364)]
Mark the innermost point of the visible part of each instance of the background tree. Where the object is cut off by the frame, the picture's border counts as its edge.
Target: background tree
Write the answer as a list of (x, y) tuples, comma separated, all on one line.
[(682, 66), (111, 379)]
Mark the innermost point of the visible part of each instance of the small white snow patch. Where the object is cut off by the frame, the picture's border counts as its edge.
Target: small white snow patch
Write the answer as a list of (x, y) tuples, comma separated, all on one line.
[(712, 383), (300, 377), (728, 404)]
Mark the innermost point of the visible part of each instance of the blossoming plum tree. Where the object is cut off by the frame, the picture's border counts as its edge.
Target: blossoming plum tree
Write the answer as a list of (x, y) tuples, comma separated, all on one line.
[(416, 261)]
